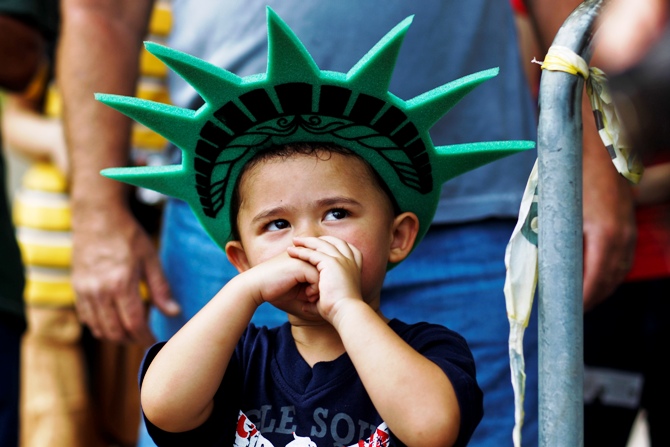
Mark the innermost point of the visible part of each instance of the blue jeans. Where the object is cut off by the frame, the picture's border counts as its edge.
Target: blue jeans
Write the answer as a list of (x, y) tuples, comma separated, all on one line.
[(454, 277)]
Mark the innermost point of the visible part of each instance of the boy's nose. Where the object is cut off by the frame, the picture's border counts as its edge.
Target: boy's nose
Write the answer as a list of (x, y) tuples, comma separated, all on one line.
[(308, 229)]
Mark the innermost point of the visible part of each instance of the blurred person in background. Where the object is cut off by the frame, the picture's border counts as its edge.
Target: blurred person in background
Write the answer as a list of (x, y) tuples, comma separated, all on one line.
[(26, 27), (76, 391), (634, 41), (626, 337), (64, 372)]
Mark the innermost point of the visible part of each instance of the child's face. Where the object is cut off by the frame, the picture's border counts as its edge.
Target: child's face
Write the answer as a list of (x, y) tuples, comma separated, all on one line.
[(306, 195)]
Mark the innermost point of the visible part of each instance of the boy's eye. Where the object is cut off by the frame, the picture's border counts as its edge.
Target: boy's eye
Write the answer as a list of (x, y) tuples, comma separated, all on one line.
[(279, 224), (336, 214)]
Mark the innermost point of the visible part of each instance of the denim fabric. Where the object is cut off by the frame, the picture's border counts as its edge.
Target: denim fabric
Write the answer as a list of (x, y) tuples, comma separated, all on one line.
[(455, 277)]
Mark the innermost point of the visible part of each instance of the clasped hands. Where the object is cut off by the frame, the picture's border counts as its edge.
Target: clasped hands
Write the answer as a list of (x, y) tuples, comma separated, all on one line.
[(314, 277)]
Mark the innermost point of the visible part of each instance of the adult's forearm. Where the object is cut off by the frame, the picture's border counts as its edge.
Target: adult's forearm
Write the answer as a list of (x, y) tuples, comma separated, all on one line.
[(547, 17), (98, 52), (21, 52)]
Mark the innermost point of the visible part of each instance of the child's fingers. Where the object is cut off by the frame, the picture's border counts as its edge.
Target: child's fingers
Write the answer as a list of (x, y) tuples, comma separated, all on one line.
[(347, 249), (317, 244), (310, 308), (284, 272), (308, 274), (312, 292), (331, 246), (309, 255)]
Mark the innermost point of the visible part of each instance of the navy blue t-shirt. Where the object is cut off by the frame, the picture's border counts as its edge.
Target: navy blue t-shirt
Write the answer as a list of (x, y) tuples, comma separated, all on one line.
[(271, 397)]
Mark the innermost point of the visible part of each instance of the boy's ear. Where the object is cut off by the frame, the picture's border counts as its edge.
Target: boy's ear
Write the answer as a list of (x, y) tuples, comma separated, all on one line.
[(237, 256), (405, 229)]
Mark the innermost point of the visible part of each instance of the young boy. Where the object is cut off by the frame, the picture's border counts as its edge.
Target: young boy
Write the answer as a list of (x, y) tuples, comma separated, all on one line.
[(315, 183), (316, 232)]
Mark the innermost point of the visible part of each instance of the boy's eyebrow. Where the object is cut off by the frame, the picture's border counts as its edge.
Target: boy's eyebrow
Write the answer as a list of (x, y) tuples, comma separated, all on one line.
[(337, 200), (328, 201)]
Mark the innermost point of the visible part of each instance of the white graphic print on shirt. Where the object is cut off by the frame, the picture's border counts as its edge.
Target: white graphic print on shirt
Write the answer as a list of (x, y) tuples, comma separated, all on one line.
[(247, 435)]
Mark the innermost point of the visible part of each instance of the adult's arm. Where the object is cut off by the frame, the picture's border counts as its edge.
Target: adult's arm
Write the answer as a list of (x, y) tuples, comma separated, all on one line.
[(22, 49), (609, 220), (98, 52), (628, 28)]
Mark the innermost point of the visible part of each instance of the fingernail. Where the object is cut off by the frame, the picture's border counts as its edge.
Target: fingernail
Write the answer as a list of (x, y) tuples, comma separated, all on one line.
[(172, 307)]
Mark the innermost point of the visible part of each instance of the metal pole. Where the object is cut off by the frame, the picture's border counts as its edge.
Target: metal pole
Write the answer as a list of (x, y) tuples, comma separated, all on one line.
[(560, 241)]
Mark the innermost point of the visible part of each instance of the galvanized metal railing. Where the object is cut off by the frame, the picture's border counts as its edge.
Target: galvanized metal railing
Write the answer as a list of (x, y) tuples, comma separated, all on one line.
[(560, 240)]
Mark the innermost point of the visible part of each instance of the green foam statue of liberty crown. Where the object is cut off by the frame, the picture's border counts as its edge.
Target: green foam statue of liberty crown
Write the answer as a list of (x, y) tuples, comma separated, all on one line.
[(297, 102)]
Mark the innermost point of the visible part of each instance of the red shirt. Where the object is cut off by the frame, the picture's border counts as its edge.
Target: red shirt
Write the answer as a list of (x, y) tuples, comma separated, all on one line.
[(652, 252), (519, 7)]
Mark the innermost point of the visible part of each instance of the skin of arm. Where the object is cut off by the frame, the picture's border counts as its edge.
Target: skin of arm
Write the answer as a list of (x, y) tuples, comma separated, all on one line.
[(22, 50), (627, 29), (422, 410), (654, 187), (609, 220), (179, 386), (32, 134), (98, 52)]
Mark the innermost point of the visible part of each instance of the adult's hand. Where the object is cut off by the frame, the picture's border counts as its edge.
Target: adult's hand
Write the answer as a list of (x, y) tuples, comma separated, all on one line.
[(112, 255)]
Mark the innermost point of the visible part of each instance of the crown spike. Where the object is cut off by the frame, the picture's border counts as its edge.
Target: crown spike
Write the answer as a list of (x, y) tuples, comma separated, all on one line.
[(378, 64), (454, 160), (286, 54), (427, 108), (211, 82), (168, 180), (174, 123)]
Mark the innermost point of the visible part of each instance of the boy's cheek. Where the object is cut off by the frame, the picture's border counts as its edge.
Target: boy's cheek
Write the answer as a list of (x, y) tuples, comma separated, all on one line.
[(264, 250), (268, 256)]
